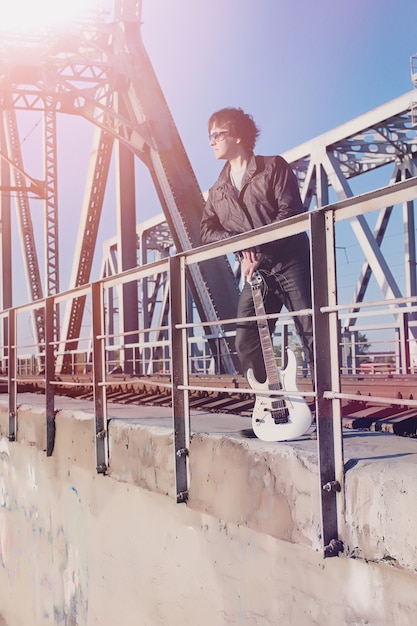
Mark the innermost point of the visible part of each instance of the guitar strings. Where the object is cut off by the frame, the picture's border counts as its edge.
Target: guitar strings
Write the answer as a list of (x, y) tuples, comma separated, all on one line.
[(279, 410)]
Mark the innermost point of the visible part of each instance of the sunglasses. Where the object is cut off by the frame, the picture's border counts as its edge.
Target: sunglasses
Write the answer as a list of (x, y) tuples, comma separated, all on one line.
[(218, 135)]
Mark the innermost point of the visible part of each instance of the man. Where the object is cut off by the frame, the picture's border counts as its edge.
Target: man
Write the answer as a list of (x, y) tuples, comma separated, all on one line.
[(252, 191)]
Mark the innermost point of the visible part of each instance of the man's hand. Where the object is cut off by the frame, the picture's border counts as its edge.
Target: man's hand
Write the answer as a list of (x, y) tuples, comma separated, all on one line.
[(250, 263)]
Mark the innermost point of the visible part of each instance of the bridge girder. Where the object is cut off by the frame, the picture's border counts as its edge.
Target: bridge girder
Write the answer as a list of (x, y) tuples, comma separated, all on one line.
[(81, 72)]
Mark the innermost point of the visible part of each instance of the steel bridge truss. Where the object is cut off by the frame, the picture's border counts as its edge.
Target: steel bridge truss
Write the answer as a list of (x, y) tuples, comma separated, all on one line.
[(100, 71)]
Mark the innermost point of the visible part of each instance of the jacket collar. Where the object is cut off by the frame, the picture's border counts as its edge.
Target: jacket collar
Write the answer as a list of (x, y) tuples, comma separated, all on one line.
[(224, 176)]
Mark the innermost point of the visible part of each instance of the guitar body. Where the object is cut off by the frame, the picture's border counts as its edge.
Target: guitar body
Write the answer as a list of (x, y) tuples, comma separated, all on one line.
[(280, 418)]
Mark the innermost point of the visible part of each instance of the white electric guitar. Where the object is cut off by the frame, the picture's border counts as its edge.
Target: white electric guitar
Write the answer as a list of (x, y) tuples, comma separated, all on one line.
[(283, 417)]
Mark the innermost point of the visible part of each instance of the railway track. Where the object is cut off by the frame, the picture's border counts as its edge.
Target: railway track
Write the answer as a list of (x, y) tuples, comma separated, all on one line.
[(361, 413)]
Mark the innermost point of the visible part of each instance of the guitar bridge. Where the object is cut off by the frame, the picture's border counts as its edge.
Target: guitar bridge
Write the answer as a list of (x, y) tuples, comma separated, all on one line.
[(280, 417)]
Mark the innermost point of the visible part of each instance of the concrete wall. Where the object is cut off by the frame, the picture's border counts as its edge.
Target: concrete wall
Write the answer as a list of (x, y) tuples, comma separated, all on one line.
[(81, 549)]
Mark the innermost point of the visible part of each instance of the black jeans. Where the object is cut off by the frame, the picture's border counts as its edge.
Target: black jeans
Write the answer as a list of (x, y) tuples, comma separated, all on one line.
[(286, 285)]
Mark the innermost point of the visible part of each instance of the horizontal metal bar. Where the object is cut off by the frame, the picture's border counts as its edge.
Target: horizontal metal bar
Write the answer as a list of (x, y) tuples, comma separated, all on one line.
[(374, 303), (61, 383), (234, 320), (138, 331), (332, 395), (396, 193), (259, 392)]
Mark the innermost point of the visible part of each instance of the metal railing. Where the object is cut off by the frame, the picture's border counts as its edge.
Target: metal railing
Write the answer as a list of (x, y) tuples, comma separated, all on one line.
[(178, 339)]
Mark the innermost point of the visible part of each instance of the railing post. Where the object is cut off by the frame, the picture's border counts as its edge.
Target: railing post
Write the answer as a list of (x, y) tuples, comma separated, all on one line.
[(404, 332), (99, 378), (327, 377), (12, 374), (50, 374), (179, 375)]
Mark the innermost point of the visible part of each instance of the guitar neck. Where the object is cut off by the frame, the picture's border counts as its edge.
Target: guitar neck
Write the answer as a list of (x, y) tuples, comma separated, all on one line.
[(265, 339)]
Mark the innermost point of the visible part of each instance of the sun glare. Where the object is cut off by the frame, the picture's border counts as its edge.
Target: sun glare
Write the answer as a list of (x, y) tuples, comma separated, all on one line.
[(25, 15)]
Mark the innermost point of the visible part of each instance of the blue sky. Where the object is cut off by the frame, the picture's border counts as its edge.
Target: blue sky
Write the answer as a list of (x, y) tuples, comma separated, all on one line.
[(299, 67)]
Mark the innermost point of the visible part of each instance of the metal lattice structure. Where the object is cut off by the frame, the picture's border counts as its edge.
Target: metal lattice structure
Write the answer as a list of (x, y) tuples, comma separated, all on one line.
[(100, 71), (383, 137)]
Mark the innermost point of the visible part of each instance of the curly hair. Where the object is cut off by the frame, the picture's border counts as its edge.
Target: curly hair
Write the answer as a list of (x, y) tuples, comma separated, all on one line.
[(238, 123)]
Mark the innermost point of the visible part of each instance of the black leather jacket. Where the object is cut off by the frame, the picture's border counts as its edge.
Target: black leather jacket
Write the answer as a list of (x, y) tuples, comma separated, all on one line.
[(269, 194)]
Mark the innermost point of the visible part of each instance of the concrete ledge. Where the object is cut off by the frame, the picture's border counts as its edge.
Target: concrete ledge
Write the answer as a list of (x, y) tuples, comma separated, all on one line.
[(75, 438), (142, 455), (381, 516), (74, 432), (83, 548), (272, 489), (31, 426)]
